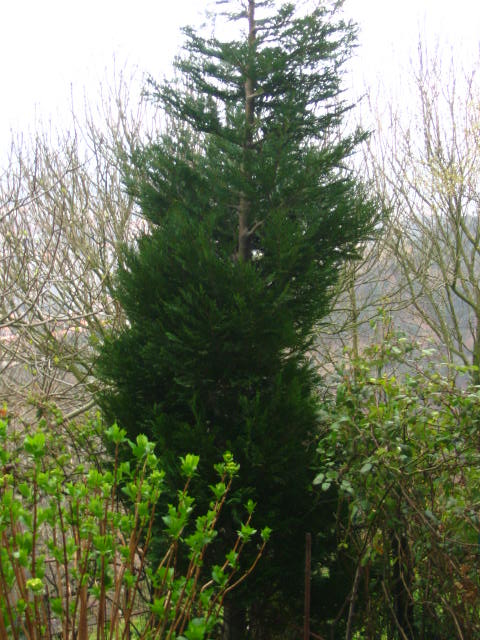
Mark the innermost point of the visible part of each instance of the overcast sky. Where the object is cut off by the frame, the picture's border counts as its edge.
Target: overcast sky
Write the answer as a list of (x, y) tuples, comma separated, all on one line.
[(49, 46)]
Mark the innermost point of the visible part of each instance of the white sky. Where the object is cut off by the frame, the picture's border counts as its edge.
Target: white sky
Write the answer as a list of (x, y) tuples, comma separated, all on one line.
[(390, 32), (48, 47)]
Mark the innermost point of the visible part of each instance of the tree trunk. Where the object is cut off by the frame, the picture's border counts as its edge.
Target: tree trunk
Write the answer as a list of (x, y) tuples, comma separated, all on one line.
[(476, 352), (234, 621), (402, 601), (244, 207)]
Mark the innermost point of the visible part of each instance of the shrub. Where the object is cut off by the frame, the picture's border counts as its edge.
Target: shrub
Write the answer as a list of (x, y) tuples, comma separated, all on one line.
[(74, 557), (402, 451)]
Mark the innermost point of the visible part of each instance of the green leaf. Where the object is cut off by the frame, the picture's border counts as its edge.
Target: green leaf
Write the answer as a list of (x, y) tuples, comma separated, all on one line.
[(366, 467), (115, 434), (57, 606), (35, 444), (218, 575), (35, 585), (158, 607), (196, 630), (218, 490), (250, 507), (189, 464), (246, 532), (142, 447), (265, 534)]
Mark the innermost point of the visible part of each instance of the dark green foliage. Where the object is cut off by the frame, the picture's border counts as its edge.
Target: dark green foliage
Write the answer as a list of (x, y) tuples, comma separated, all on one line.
[(204, 364), (402, 453), (252, 215)]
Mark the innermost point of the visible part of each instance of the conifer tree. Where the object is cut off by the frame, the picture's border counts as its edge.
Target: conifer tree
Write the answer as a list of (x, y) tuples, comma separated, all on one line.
[(252, 213)]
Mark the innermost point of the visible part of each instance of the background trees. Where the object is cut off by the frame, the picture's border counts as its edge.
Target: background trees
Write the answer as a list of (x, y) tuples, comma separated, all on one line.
[(253, 212), (426, 164), (64, 214)]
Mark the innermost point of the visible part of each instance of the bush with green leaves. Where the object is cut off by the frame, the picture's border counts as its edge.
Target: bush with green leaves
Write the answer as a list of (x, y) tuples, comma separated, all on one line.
[(74, 559), (403, 453)]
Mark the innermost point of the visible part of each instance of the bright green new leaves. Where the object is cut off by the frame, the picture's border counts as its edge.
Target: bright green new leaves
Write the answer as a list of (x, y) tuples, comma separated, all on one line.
[(189, 465), (115, 434), (35, 444), (72, 554)]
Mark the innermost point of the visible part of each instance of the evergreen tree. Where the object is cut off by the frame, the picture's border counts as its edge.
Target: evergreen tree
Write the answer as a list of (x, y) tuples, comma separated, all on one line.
[(252, 214)]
